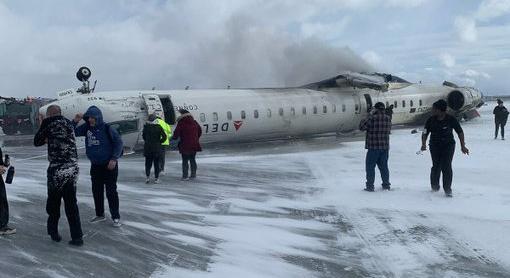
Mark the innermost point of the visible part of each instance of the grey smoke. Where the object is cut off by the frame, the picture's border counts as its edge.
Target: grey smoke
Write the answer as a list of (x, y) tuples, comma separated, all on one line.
[(247, 56)]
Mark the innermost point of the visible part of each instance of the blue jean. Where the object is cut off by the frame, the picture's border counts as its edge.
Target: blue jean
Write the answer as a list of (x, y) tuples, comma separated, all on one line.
[(379, 158)]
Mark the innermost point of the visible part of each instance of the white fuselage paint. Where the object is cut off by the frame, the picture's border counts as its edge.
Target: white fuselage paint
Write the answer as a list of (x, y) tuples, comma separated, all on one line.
[(263, 114)]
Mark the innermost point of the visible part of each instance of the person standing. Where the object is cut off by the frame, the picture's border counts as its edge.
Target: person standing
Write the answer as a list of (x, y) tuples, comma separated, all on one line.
[(389, 111), (188, 131), (440, 127), (58, 133), (165, 145), (104, 148), (4, 204), (500, 117), (378, 128), (153, 137)]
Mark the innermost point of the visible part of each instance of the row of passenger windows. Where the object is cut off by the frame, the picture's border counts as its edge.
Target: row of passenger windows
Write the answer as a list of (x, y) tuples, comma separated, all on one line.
[(411, 103), (281, 112), (304, 111)]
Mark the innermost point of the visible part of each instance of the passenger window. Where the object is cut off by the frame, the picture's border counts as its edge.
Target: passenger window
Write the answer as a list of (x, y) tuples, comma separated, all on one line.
[(280, 111), (344, 108), (356, 107), (411, 103), (324, 109), (215, 116), (243, 115), (395, 105), (315, 109), (202, 117), (334, 108), (403, 104), (293, 111), (229, 115), (421, 102), (304, 110), (269, 113), (256, 114), (387, 104)]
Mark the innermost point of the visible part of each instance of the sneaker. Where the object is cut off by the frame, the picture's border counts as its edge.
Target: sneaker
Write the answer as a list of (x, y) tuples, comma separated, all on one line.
[(193, 177), (56, 237), (156, 181), (162, 173), (116, 223), (448, 194), (148, 180), (184, 179), (76, 242), (386, 188), (97, 219), (369, 189), (7, 231)]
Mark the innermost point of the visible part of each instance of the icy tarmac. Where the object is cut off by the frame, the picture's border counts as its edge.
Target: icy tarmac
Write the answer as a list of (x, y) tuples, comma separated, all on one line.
[(282, 209)]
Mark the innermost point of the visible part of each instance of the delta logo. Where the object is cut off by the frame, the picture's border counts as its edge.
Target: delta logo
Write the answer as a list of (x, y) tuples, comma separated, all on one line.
[(238, 124)]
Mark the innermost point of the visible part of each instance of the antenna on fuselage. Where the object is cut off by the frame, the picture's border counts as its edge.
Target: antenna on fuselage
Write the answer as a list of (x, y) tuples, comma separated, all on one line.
[(83, 75)]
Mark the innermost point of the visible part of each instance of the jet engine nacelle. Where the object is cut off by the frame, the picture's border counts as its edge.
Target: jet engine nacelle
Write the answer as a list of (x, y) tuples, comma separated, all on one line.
[(463, 99)]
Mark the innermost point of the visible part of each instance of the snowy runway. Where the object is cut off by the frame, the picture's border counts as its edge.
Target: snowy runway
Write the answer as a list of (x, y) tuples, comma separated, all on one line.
[(292, 209)]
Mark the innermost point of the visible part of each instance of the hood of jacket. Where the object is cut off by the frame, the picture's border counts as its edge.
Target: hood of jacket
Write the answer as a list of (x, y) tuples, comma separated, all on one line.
[(95, 113)]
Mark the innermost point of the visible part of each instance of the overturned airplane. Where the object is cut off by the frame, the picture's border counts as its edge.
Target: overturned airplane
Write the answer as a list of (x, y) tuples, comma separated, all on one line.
[(334, 105)]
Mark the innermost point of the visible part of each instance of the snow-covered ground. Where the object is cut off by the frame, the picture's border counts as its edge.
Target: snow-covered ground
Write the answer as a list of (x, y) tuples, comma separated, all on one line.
[(284, 209)]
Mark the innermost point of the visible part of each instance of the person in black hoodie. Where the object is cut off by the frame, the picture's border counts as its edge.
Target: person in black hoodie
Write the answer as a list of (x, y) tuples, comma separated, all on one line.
[(58, 133), (4, 205), (440, 127), (153, 136), (500, 118)]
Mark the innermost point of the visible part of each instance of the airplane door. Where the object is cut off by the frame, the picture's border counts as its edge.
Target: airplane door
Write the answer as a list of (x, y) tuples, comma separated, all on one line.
[(154, 105), (368, 99)]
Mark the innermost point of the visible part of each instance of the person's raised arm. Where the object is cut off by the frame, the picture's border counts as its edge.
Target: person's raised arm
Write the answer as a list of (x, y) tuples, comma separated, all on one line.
[(41, 136), (79, 130)]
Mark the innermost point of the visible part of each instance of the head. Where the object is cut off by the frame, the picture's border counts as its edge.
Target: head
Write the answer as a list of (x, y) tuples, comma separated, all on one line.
[(391, 106), (53, 110), (379, 106), (500, 102), (93, 116), (152, 118), (439, 107)]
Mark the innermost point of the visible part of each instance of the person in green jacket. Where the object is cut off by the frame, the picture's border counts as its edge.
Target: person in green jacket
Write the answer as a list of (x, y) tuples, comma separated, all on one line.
[(165, 145)]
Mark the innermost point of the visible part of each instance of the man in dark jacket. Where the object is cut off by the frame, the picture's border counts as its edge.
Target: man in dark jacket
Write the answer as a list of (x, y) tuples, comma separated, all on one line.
[(153, 136), (500, 118), (188, 131), (58, 133), (378, 128), (442, 145), (389, 111), (104, 147), (4, 205)]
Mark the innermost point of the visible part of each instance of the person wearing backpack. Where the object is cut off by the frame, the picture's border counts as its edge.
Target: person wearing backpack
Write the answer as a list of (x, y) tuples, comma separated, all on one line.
[(104, 147)]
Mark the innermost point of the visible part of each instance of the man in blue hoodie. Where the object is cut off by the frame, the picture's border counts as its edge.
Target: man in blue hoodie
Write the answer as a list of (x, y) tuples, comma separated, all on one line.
[(104, 147)]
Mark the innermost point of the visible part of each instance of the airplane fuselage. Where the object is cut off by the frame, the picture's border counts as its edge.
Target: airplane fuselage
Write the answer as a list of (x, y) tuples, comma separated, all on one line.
[(237, 115)]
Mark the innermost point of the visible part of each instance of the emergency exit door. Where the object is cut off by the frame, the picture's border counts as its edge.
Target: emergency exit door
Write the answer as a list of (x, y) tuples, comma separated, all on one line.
[(154, 106), (368, 99)]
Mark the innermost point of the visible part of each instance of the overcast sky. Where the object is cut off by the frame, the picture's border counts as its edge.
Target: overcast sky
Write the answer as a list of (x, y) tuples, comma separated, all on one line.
[(132, 44)]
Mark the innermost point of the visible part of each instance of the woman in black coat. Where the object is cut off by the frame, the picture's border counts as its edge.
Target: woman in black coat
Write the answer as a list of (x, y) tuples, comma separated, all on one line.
[(153, 136)]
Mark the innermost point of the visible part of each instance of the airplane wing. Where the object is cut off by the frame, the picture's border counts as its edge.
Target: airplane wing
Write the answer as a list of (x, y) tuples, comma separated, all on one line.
[(378, 82)]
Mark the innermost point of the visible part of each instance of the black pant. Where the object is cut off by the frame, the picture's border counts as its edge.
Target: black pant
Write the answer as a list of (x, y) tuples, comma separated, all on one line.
[(68, 193), (162, 157), (188, 159), (498, 125), (149, 159), (442, 156), (4, 205), (103, 178)]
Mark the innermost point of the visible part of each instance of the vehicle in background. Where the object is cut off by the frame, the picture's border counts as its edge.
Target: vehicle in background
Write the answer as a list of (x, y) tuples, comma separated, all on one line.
[(20, 117)]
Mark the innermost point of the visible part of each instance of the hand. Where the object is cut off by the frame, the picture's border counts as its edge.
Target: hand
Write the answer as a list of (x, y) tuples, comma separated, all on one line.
[(2, 170), (465, 150), (112, 164), (78, 117), (423, 148)]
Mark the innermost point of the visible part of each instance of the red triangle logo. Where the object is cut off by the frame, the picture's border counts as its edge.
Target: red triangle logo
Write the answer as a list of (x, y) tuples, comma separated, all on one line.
[(238, 124)]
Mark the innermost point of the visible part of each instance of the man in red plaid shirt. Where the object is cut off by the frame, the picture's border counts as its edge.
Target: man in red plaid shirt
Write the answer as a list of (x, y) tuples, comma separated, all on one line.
[(378, 128)]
